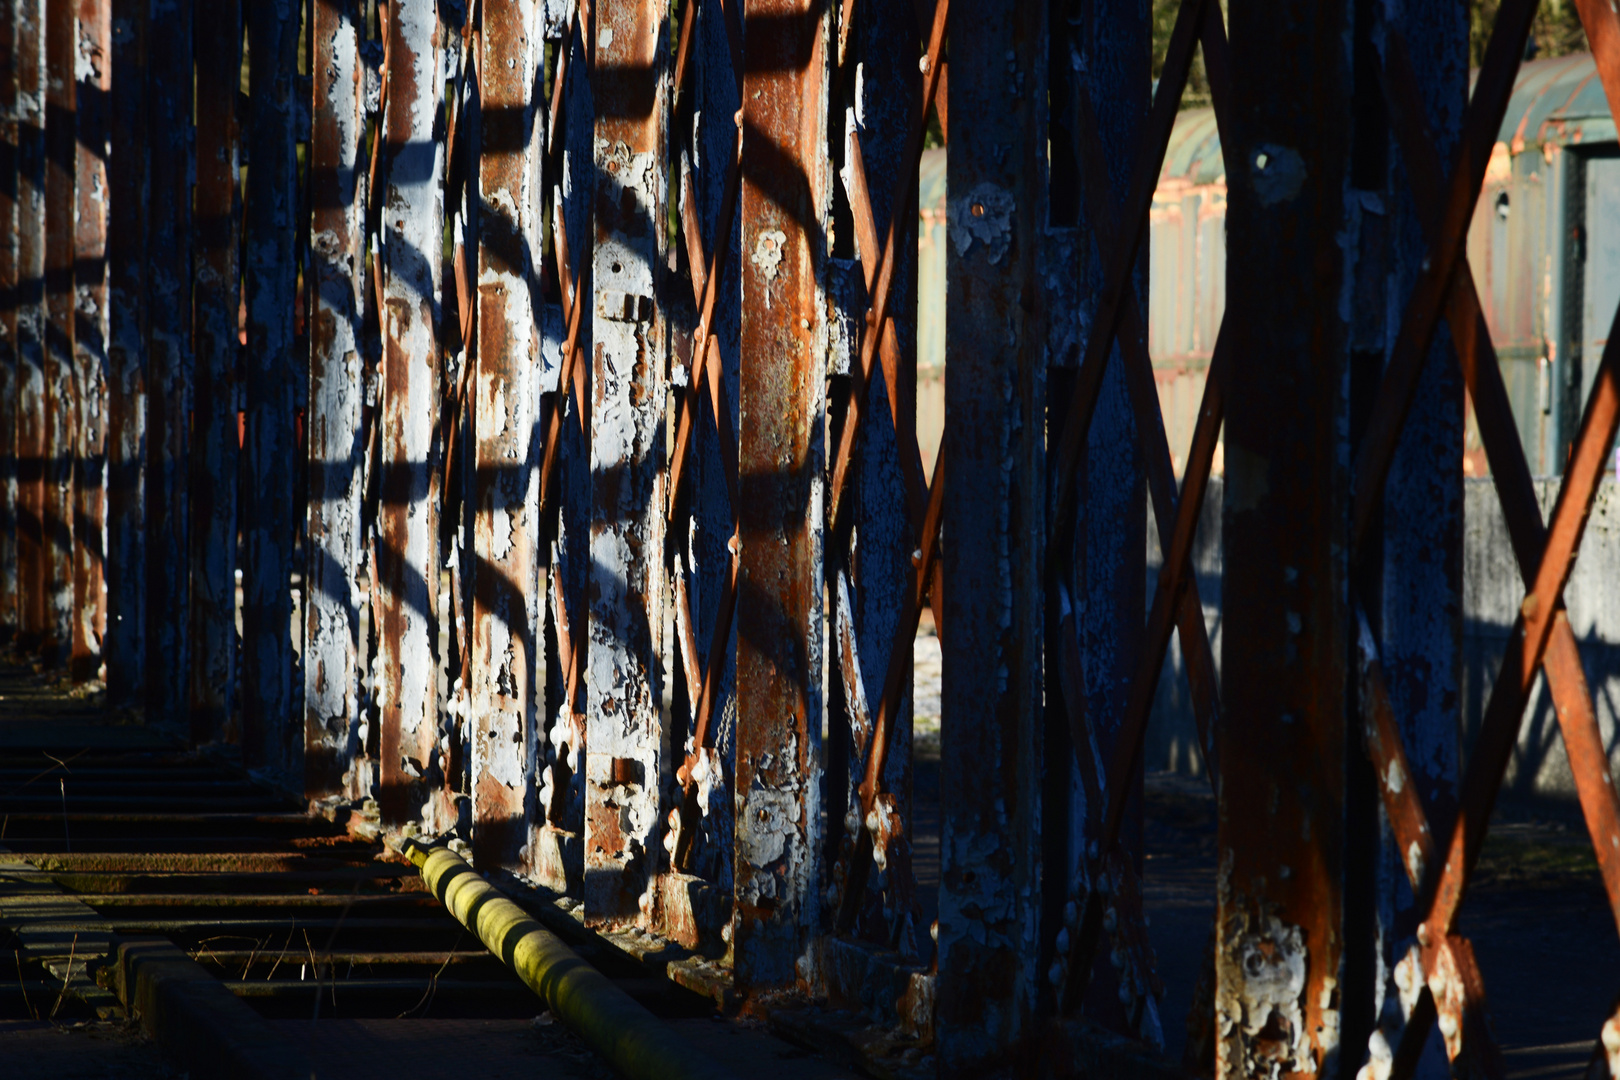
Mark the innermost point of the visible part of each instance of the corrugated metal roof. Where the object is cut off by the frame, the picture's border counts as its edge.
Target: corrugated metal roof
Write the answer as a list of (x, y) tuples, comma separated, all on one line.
[(1558, 101), (931, 179), (1194, 154)]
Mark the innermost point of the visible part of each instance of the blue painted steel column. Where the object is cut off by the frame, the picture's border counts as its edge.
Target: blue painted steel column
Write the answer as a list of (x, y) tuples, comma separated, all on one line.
[(61, 211), (124, 647), (271, 737), (214, 431), (9, 192), (1415, 603), (1110, 554), (994, 547), (168, 402)]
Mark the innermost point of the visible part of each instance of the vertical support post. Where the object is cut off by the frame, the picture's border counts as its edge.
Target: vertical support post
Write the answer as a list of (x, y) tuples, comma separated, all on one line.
[(506, 419), (10, 192), (94, 72), (269, 730), (214, 450), (887, 92), (168, 595), (1281, 913), (61, 162), (994, 522), (332, 665), (30, 31), (408, 517), (625, 755), (1110, 555), (710, 523), (1419, 591), (781, 451), (124, 647)]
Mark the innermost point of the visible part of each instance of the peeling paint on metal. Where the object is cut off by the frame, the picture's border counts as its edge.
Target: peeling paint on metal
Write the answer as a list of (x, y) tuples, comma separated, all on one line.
[(506, 630), (93, 72), (627, 453), (215, 447), (407, 520), (786, 193), (123, 648), (335, 759)]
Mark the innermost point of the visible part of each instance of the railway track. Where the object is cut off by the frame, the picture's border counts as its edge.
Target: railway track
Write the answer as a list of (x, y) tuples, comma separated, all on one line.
[(142, 881)]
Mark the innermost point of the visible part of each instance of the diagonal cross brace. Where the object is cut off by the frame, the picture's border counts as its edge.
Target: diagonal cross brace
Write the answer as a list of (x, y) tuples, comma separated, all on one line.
[(1176, 604), (1541, 634), (1510, 471)]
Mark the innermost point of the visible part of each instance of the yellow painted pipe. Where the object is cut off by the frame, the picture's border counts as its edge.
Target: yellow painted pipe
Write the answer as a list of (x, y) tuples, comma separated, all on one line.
[(632, 1039)]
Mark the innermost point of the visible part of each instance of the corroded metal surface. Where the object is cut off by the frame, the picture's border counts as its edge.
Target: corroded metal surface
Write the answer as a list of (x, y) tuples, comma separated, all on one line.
[(217, 297), (990, 754), (124, 647), (785, 194), (336, 758), (608, 319), (9, 192), (1281, 918), (407, 517), (170, 104), (61, 399), (29, 28), (93, 74), (270, 393), (624, 758), (506, 629)]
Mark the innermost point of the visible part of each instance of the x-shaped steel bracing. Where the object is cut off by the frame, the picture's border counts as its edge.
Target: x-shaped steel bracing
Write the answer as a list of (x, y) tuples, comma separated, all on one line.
[(1442, 966)]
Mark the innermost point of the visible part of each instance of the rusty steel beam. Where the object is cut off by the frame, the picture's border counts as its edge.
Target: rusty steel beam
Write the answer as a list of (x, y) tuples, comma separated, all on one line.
[(1281, 916), (124, 647), (61, 399), (781, 401), (335, 758), (30, 307), (93, 45), (168, 399), (624, 761), (270, 736), (9, 192), (217, 298), (993, 513), (408, 514), (505, 655)]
